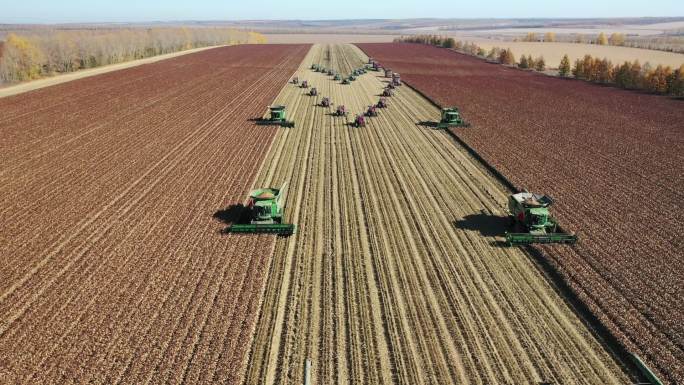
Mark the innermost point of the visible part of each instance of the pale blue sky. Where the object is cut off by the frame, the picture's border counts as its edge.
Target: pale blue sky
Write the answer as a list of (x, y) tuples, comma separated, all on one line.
[(51, 11)]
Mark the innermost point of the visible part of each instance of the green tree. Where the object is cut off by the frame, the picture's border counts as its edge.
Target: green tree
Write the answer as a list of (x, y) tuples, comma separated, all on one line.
[(523, 62), (564, 67), (540, 64)]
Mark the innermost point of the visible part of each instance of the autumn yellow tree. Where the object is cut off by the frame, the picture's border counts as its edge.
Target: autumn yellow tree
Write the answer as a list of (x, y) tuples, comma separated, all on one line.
[(617, 39), (531, 36), (540, 64), (549, 37), (602, 39)]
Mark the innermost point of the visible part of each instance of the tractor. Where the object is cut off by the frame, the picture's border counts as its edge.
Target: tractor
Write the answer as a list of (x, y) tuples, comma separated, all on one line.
[(341, 110), (531, 221), (265, 210), (278, 116), (382, 103), (371, 111), (313, 91), (325, 102), (305, 84), (387, 92), (359, 121), (451, 117), (337, 77), (295, 80), (331, 72), (396, 79)]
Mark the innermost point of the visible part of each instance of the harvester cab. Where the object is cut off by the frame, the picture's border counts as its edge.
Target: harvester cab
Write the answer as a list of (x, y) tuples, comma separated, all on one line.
[(341, 110), (382, 103), (359, 121), (305, 84), (278, 116), (265, 208), (388, 72), (371, 111), (451, 117), (532, 222), (313, 92), (325, 102)]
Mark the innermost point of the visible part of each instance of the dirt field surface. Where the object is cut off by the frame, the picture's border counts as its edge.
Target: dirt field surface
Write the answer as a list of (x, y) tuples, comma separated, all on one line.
[(112, 267), (292, 38), (59, 79), (614, 161), (396, 274), (553, 52)]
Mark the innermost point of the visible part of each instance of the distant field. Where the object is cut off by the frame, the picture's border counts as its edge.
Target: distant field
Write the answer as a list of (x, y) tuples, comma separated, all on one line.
[(553, 52), (301, 38)]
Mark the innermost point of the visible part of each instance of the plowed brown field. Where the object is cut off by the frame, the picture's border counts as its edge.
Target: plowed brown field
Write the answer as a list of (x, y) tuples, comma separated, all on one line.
[(396, 274), (112, 268), (613, 159)]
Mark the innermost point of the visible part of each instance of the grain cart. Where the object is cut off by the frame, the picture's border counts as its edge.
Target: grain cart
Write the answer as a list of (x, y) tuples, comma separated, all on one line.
[(451, 117), (396, 79), (382, 103), (531, 221), (313, 92), (371, 111), (388, 72), (278, 116), (265, 210), (341, 110), (305, 84), (325, 102), (359, 121)]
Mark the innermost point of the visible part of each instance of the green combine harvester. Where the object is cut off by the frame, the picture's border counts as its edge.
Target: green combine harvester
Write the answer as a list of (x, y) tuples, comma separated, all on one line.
[(278, 116), (532, 222), (451, 117), (265, 208)]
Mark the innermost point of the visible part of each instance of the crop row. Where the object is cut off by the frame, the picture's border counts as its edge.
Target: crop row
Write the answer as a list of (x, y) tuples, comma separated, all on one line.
[(614, 161), (113, 268)]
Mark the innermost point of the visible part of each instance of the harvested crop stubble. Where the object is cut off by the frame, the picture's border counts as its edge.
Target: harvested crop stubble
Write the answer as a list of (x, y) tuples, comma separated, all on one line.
[(614, 160), (112, 269), (395, 275)]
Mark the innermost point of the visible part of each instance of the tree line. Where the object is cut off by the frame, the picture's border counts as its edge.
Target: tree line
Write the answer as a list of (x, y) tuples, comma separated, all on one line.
[(42, 53), (629, 75)]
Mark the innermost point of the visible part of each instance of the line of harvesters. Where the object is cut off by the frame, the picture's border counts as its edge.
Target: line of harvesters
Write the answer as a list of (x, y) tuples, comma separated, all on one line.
[(530, 219)]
